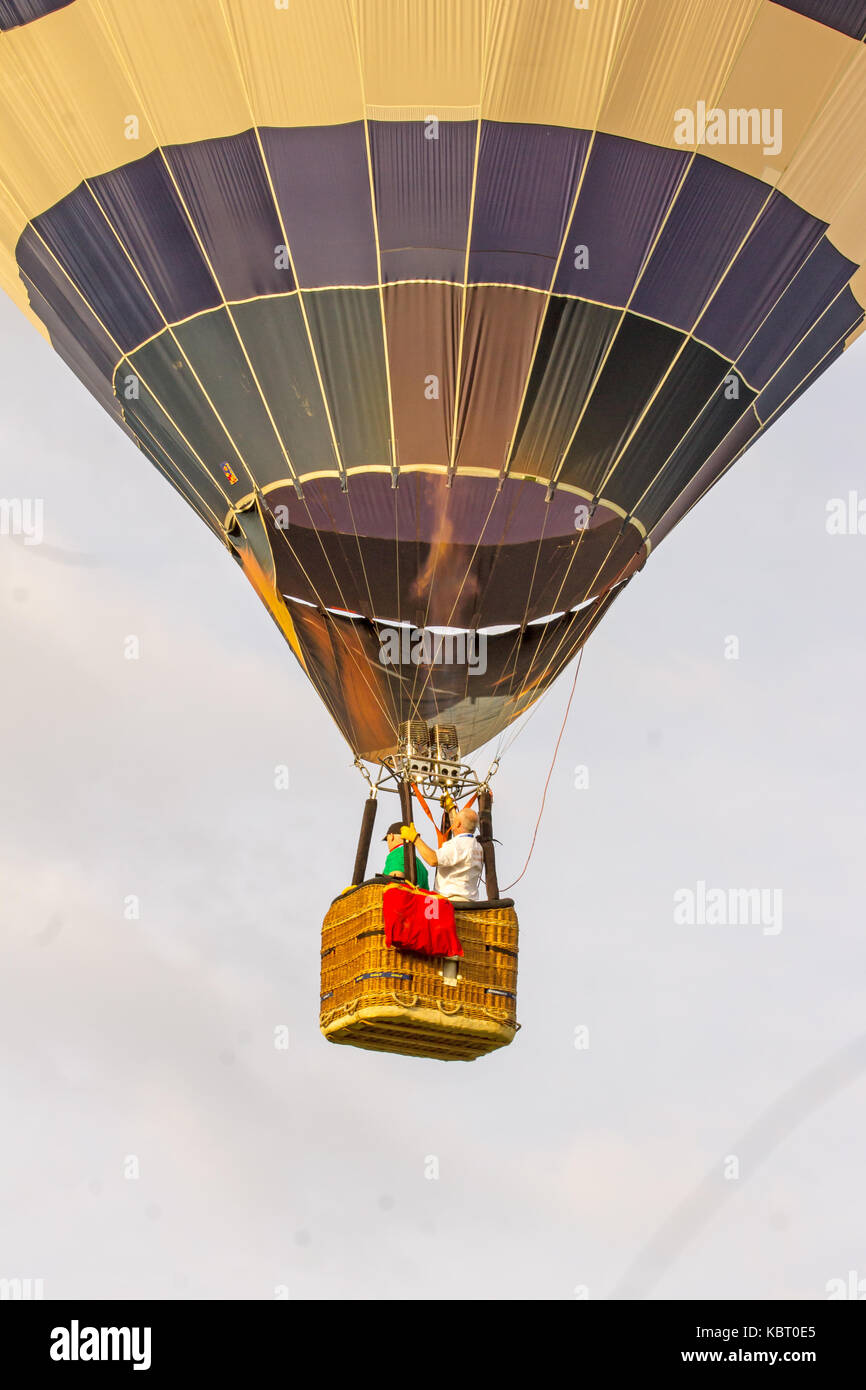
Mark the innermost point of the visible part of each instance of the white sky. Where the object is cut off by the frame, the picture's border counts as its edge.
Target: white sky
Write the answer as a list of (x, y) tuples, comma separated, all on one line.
[(305, 1168)]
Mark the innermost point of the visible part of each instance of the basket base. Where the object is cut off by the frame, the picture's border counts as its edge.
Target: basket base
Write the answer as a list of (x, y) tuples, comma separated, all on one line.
[(419, 1032), (389, 999)]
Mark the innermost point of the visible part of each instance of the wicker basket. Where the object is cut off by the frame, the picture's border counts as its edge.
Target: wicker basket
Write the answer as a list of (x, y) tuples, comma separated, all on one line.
[(398, 1001)]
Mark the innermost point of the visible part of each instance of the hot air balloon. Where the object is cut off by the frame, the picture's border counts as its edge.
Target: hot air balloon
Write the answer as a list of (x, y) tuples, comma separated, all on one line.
[(441, 314)]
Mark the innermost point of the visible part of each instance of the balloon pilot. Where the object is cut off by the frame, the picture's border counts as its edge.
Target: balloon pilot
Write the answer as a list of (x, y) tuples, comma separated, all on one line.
[(459, 861)]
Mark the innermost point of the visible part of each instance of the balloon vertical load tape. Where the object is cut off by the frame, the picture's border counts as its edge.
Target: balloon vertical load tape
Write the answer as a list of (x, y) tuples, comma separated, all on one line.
[(388, 1000)]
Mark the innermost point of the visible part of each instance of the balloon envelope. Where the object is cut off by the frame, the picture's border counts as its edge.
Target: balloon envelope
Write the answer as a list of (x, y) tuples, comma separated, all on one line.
[(439, 313)]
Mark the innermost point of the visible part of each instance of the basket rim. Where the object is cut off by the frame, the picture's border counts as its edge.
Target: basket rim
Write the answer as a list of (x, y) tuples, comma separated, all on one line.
[(460, 904)]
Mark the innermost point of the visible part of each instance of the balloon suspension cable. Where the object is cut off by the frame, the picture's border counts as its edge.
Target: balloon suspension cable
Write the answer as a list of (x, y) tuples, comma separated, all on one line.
[(429, 761), (428, 775), (374, 786), (549, 775)]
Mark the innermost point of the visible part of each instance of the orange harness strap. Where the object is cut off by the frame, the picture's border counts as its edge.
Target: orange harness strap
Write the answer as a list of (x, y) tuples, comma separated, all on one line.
[(445, 831), (441, 835), (427, 812)]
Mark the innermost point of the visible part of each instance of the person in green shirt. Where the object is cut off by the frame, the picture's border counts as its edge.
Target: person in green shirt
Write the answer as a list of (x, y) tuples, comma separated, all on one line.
[(395, 864)]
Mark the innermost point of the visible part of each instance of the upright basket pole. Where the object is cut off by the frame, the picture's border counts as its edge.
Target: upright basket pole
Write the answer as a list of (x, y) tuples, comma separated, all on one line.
[(409, 864), (368, 820), (485, 835)]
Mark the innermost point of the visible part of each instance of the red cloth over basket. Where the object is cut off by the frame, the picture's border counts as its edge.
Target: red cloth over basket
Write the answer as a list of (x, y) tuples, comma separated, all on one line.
[(419, 921)]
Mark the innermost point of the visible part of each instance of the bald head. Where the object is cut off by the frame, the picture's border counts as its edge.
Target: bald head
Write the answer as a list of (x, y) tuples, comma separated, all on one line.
[(466, 823)]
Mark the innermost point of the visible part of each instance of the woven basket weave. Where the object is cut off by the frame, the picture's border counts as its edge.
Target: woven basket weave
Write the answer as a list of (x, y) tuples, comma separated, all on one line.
[(398, 1001)]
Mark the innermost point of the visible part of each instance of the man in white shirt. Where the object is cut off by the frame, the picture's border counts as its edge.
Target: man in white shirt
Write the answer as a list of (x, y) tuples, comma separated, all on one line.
[(459, 861)]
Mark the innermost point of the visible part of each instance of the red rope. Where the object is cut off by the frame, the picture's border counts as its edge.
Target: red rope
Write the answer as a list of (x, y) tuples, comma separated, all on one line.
[(549, 775), (602, 595)]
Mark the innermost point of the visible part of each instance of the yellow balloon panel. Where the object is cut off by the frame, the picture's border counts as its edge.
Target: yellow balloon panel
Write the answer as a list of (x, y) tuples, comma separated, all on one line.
[(674, 53), (551, 64), (280, 52), (826, 174), (66, 109), (417, 52), (787, 71)]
